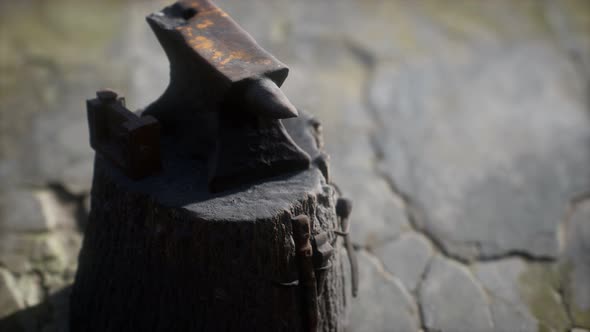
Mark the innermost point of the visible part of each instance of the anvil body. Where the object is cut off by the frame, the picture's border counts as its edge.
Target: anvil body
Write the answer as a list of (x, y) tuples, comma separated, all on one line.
[(223, 102)]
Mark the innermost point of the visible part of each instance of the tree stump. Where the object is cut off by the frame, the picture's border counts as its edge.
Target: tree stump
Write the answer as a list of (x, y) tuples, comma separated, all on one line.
[(163, 254)]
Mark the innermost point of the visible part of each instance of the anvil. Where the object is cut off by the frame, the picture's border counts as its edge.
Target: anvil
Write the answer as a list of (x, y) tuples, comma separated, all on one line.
[(223, 102)]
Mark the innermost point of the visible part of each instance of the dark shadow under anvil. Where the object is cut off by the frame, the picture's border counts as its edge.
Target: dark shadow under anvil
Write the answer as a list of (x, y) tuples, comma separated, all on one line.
[(223, 102)]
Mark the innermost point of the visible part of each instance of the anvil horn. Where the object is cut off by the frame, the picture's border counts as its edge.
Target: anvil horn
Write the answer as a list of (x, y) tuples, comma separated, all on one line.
[(263, 97)]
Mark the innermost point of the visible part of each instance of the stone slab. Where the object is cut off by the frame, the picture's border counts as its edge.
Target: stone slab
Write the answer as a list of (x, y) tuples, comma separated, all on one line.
[(383, 304), (406, 258), (452, 300)]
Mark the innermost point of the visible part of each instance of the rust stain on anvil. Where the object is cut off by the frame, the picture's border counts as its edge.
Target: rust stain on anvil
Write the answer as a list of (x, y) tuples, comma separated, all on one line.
[(219, 40)]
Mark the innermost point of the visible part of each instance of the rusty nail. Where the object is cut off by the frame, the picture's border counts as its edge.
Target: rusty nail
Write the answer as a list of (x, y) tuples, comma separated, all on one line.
[(307, 280), (322, 252)]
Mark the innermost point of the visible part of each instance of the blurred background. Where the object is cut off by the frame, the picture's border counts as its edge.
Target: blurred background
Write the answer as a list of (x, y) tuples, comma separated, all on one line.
[(460, 129)]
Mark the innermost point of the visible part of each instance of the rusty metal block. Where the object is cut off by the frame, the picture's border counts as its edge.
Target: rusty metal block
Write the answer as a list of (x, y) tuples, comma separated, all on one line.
[(131, 142)]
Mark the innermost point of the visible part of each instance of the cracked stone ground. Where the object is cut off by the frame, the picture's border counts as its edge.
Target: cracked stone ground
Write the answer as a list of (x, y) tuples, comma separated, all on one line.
[(460, 129)]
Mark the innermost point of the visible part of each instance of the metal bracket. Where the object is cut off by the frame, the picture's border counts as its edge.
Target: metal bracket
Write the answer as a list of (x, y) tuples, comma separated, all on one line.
[(131, 142)]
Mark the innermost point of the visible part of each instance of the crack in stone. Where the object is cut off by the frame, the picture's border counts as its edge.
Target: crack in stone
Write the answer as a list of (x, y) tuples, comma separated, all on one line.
[(369, 63), (488, 296), (413, 212), (381, 242), (560, 291), (514, 253), (378, 263), (489, 299), (416, 294)]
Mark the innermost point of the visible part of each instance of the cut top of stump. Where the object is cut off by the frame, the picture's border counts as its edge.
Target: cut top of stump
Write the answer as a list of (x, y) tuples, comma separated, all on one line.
[(183, 183)]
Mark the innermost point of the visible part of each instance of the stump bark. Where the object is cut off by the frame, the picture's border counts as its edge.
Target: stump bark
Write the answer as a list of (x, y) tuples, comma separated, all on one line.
[(163, 254)]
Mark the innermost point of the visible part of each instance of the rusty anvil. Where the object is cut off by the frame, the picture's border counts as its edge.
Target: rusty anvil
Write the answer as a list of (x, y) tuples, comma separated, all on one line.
[(223, 102)]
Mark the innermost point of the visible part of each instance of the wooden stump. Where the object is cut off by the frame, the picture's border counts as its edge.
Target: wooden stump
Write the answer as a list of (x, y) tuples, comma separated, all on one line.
[(162, 254)]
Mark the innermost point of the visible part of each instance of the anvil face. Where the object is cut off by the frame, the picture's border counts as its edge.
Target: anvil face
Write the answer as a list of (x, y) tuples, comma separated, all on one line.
[(230, 49), (216, 38)]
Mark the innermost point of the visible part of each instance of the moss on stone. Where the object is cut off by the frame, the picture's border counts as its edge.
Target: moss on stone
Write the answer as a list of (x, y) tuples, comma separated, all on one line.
[(580, 316), (539, 285)]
